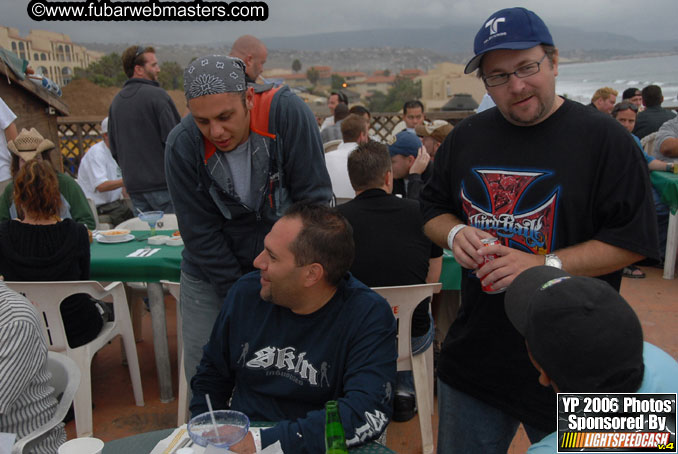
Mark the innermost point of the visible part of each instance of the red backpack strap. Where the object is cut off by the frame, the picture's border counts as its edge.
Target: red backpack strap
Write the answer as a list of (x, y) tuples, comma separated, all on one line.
[(259, 115), (210, 149)]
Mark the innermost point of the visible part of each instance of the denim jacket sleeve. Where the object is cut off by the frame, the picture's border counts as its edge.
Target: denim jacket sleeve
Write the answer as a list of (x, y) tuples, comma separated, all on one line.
[(304, 169), (200, 221)]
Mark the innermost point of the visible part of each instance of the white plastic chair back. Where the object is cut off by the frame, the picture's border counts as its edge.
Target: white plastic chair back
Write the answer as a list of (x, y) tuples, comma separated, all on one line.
[(95, 213), (65, 381), (331, 145), (403, 300), (182, 407), (47, 297), (648, 143)]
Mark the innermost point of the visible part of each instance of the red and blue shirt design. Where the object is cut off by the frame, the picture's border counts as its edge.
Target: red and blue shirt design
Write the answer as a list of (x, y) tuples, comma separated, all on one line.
[(529, 228)]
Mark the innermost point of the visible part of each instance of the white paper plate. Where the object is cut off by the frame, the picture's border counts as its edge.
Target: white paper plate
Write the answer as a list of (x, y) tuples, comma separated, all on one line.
[(118, 239), (175, 242), (158, 239)]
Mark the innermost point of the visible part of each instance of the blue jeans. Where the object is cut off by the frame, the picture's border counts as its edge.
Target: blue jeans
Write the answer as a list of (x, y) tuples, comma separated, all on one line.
[(404, 378), (152, 201), (200, 306), (468, 426)]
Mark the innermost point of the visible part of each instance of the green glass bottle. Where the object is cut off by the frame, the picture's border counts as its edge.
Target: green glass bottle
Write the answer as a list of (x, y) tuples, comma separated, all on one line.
[(335, 440)]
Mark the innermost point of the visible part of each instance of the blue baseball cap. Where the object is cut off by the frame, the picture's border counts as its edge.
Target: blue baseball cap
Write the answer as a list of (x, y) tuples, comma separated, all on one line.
[(406, 144), (510, 28)]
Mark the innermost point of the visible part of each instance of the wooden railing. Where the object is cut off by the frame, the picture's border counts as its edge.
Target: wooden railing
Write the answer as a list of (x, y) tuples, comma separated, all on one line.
[(78, 134), (384, 122)]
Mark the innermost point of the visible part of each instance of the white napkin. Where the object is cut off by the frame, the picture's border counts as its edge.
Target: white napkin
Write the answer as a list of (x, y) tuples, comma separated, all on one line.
[(143, 252), (275, 448), (169, 444), (6, 442)]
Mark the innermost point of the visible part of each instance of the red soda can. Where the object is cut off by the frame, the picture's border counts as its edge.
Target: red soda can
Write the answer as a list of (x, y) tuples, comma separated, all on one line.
[(489, 257)]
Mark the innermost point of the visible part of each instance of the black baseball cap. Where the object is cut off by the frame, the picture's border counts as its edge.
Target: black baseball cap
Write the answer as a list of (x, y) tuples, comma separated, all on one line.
[(630, 93), (579, 329), (510, 28)]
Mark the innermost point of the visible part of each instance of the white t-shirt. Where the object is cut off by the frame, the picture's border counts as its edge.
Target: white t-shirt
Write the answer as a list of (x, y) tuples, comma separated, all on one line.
[(6, 119), (329, 121), (336, 161), (97, 167)]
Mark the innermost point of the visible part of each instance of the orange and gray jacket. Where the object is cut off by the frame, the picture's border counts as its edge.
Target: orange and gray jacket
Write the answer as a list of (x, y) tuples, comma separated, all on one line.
[(222, 236)]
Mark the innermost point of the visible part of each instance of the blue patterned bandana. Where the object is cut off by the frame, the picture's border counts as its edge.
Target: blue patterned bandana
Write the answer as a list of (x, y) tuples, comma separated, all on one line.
[(214, 74)]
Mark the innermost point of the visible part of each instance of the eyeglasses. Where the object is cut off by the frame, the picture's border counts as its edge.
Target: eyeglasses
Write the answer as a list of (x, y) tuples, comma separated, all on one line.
[(524, 71)]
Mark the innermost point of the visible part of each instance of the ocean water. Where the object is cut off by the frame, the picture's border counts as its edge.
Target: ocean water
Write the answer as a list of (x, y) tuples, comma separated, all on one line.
[(580, 80)]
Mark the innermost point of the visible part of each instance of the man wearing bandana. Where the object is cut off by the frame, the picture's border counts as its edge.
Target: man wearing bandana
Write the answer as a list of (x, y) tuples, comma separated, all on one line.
[(234, 164)]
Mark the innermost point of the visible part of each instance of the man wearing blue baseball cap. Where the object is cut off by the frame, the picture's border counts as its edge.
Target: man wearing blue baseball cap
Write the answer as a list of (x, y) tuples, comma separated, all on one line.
[(410, 163), (556, 184)]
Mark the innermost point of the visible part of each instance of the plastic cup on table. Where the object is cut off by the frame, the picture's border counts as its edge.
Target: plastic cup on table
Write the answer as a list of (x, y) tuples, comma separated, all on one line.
[(85, 445), (231, 427)]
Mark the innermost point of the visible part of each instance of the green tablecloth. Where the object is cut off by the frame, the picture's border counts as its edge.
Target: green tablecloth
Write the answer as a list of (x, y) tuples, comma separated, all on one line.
[(144, 443), (109, 262), (450, 276), (667, 185)]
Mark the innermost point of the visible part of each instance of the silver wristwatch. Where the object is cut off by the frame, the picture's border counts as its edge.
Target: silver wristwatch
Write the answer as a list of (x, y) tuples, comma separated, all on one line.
[(553, 260)]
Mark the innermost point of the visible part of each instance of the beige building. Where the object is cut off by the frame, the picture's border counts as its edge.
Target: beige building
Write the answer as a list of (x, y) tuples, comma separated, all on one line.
[(446, 80), (372, 84), (48, 53)]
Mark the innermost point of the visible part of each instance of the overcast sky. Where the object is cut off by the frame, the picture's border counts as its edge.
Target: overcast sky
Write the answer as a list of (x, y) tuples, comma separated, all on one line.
[(645, 20)]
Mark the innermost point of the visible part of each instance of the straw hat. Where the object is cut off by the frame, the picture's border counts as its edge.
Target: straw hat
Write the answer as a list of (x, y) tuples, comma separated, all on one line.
[(439, 129), (28, 144)]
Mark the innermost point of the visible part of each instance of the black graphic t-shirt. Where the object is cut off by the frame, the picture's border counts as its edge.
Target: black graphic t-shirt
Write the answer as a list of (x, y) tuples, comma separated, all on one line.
[(576, 176), (278, 366)]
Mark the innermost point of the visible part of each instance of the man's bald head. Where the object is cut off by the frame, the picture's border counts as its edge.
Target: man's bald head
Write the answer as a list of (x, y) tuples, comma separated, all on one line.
[(253, 52)]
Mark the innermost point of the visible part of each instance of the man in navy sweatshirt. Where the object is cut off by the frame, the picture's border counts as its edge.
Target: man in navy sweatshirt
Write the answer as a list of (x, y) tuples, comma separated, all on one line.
[(297, 333)]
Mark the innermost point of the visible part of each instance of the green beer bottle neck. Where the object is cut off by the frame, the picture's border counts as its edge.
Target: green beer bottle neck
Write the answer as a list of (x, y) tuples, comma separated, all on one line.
[(335, 440)]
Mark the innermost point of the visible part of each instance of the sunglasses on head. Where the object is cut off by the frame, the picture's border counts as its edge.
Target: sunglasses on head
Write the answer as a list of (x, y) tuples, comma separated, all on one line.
[(625, 105), (140, 50)]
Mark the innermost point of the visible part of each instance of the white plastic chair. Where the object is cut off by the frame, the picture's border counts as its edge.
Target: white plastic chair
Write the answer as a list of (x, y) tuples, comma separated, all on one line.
[(65, 380), (99, 225), (182, 398), (331, 145), (403, 299), (47, 297)]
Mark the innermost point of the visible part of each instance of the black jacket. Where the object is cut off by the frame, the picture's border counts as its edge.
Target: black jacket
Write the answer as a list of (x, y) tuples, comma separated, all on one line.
[(414, 184), (140, 118)]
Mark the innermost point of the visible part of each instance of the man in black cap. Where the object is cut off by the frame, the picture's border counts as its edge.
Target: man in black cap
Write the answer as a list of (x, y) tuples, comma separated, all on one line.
[(583, 337), (633, 96), (543, 175)]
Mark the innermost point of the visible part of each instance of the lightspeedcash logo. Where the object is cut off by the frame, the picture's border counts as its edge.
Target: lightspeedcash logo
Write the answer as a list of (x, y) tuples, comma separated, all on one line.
[(150, 10)]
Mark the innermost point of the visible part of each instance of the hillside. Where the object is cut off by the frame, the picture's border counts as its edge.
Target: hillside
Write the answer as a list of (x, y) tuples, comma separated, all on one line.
[(84, 98)]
